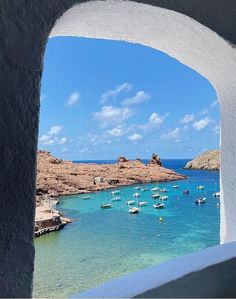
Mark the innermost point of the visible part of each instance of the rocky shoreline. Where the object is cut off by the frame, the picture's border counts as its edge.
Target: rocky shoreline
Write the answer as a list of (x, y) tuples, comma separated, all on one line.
[(56, 177), (209, 160)]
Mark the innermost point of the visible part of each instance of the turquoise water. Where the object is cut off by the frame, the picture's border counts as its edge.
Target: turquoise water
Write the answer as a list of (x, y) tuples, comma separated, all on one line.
[(104, 244)]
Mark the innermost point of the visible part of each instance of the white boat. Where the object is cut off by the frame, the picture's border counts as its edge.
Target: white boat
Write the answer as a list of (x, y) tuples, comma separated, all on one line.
[(164, 190), (144, 189), (159, 206), (217, 194), (86, 197), (155, 189), (164, 197), (156, 195), (142, 203), (200, 201), (175, 186), (115, 192), (200, 187), (136, 194), (106, 206), (117, 198), (137, 188), (130, 202), (134, 210)]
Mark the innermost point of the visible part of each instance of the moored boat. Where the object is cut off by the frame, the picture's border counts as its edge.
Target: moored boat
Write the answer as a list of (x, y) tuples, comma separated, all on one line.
[(117, 198), (137, 188), (186, 192), (144, 189), (164, 197), (86, 197), (115, 192), (106, 206), (142, 203), (134, 210), (200, 187), (136, 194), (156, 195), (200, 201), (175, 186), (130, 202), (164, 190), (155, 189), (159, 206), (216, 194)]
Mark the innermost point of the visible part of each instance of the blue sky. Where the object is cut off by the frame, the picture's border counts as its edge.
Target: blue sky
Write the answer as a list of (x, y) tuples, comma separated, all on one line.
[(102, 99)]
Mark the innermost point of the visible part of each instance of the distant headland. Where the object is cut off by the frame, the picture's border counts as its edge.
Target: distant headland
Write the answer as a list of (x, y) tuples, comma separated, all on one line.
[(209, 160)]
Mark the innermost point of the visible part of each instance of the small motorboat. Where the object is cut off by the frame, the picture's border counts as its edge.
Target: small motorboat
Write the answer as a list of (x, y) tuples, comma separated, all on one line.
[(115, 192), (200, 201), (217, 194), (200, 187), (186, 192), (106, 206), (159, 206), (137, 188), (156, 195), (144, 189), (117, 198), (136, 194), (175, 186), (162, 198), (130, 202), (155, 189), (86, 197), (164, 190), (134, 210), (142, 203)]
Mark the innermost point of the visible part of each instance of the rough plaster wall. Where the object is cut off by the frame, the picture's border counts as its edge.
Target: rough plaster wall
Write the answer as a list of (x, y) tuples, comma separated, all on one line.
[(24, 29)]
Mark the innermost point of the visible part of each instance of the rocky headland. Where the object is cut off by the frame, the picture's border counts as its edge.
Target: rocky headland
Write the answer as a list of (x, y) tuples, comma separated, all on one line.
[(209, 160), (56, 177)]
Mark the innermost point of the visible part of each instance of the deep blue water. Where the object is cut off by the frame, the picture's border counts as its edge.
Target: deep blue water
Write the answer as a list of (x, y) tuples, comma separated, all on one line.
[(104, 244)]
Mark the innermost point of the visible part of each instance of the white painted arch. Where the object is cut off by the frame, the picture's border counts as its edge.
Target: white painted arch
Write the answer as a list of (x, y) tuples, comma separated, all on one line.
[(185, 40)]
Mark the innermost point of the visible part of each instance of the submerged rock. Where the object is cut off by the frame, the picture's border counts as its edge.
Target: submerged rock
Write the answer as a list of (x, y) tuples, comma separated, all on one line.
[(209, 160)]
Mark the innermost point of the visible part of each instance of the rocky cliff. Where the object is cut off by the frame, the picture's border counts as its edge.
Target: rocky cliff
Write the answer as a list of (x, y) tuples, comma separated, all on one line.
[(57, 177), (209, 160)]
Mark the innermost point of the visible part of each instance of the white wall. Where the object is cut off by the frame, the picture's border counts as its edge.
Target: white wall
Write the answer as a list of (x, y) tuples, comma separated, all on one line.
[(187, 41)]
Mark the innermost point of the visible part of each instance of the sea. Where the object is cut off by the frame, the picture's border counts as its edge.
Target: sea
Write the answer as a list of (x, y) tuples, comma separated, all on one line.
[(101, 245)]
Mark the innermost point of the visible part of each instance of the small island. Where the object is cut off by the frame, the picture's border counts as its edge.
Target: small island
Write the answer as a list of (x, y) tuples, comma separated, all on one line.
[(56, 177), (209, 160)]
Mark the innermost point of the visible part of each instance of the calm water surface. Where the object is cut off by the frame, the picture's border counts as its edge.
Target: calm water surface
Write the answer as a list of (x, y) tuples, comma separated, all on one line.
[(104, 244)]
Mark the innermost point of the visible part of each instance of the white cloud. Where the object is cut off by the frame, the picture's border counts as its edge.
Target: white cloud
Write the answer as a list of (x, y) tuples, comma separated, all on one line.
[(42, 97), (62, 140), (51, 137), (187, 118), (135, 137), (44, 138), (73, 98), (201, 124), (112, 115), (55, 130), (214, 104), (216, 130), (124, 87), (117, 131), (174, 134), (139, 98), (154, 121)]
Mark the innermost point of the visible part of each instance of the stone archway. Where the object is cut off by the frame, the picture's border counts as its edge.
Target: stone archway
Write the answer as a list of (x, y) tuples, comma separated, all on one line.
[(24, 31)]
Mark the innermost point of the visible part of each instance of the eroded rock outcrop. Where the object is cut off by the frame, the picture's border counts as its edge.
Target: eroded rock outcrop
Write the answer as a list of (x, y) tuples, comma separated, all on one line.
[(156, 160), (209, 160)]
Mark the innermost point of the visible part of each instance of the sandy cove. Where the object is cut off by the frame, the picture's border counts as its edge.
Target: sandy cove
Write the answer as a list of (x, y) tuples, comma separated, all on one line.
[(56, 177)]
